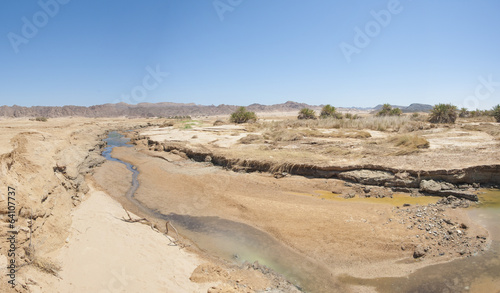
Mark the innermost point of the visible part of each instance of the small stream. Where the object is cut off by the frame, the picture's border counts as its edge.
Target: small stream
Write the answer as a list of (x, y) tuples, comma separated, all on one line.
[(234, 241), (238, 242)]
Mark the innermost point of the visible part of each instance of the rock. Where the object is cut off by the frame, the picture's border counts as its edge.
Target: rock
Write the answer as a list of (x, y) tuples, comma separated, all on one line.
[(208, 159), (447, 186), (458, 194), (419, 252), (350, 195), (430, 186), (367, 177)]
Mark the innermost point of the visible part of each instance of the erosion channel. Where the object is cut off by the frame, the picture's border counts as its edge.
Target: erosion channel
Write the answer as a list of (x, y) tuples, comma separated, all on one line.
[(239, 242)]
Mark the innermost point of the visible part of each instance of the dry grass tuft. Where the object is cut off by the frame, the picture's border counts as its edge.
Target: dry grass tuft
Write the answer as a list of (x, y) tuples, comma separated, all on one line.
[(44, 264), (251, 138), (283, 135), (336, 134), (490, 128), (409, 143)]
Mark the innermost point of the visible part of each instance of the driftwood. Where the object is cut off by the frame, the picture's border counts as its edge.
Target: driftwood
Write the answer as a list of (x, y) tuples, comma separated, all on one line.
[(173, 241)]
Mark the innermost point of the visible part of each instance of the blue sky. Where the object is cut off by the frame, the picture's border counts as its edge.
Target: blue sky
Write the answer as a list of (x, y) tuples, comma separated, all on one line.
[(345, 53)]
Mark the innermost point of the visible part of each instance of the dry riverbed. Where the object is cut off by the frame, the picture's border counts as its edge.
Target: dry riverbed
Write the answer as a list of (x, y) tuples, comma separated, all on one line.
[(325, 226)]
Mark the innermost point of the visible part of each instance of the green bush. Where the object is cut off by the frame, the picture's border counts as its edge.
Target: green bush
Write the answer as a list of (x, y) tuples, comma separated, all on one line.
[(306, 113), (496, 112), (42, 119), (242, 116), (388, 110), (330, 112), (443, 113)]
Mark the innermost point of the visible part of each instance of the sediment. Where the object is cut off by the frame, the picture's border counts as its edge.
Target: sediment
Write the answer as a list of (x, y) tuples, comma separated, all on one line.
[(452, 182)]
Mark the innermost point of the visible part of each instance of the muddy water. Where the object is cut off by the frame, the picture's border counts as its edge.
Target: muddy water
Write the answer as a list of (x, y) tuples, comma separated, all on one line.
[(236, 242), (480, 273), (239, 242)]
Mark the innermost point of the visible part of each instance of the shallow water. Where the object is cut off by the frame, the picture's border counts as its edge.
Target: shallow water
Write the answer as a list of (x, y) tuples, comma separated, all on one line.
[(234, 241), (479, 273)]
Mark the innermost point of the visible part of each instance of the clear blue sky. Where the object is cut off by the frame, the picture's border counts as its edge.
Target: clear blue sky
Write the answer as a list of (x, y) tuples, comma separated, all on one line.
[(250, 51)]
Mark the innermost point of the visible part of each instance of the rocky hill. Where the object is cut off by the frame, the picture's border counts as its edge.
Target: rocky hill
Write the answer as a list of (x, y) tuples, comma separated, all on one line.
[(142, 110), (165, 109), (415, 107)]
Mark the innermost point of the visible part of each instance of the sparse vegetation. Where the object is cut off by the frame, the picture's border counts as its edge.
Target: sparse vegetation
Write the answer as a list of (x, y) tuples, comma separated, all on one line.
[(409, 143), (385, 123), (306, 114), (251, 138), (218, 122), (464, 113), (443, 113), (41, 119), (496, 112), (351, 116), (330, 112), (242, 116), (388, 110)]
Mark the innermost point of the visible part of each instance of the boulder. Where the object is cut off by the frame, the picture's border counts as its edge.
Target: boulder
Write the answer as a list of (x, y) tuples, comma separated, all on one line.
[(368, 177), (419, 252), (430, 186)]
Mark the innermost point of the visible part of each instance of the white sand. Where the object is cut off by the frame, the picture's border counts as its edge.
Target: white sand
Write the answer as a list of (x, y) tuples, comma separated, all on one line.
[(106, 254)]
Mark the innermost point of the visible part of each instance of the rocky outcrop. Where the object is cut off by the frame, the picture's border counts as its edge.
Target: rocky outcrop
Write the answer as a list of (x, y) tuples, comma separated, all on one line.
[(453, 182)]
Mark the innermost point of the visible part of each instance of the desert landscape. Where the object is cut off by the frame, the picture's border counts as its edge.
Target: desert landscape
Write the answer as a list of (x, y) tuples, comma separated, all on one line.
[(196, 202)]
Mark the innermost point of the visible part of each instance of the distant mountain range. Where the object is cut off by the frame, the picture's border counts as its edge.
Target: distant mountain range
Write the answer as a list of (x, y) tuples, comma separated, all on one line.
[(165, 110), (410, 109)]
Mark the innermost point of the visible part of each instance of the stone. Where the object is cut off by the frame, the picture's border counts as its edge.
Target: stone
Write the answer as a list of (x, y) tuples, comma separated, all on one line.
[(430, 186), (419, 252), (368, 177)]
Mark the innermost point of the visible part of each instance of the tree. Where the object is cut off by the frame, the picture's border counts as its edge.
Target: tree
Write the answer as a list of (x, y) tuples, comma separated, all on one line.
[(330, 111), (306, 113), (387, 110), (242, 115), (496, 112), (443, 113)]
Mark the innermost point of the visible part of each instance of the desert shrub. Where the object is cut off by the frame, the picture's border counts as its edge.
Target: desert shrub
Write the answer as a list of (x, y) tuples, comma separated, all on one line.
[(351, 116), (330, 112), (242, 116), (443, 113), (306, 114), (249, 139), (41, 119), (464, 113), (388, 110), (218, 122), (167, 124), (496, 112)]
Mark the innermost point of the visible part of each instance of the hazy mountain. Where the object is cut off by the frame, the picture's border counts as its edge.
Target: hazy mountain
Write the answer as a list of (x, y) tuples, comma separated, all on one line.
[(415, 107), (165, 109)]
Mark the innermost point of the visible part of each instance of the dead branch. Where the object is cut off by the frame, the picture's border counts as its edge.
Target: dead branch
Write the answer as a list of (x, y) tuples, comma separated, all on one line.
[(141, 220)]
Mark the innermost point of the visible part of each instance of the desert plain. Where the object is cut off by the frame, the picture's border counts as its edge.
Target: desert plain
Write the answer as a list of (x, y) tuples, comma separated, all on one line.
[(280, 205)]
